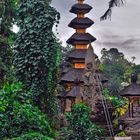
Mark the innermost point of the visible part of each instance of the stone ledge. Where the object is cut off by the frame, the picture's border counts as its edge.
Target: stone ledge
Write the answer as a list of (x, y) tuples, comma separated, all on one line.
[(132, 138)]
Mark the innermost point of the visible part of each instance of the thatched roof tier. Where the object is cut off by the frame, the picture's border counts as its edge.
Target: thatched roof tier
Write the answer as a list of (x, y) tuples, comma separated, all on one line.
[(74, 92), (131, 90), (61, 95), (80, 8), (78, 54), (81, 23), (72, 75), (77, 74), (81, 38)]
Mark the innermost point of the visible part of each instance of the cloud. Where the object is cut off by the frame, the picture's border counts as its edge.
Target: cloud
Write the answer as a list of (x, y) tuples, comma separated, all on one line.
[(122, 31)]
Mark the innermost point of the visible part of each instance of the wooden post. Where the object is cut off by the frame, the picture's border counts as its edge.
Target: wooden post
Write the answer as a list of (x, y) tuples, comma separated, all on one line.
[(63, 104), (132, 110), (72, 102), (129, 107)]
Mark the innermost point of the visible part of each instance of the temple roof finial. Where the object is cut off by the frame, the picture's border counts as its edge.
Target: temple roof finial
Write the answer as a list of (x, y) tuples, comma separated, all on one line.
[(134, 78)]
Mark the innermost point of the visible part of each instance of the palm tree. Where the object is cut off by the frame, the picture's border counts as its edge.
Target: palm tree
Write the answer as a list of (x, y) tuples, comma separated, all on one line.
[(112, 3)]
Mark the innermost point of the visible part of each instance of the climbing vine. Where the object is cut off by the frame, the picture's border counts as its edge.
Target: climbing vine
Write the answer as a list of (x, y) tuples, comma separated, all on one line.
[(37, 51)]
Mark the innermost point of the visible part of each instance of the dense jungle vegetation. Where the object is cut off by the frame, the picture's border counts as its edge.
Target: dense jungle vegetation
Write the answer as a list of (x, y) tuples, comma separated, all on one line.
[(29, 72)]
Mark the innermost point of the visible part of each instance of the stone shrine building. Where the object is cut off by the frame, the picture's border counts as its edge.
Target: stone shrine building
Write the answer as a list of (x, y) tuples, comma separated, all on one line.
[(79, 81)]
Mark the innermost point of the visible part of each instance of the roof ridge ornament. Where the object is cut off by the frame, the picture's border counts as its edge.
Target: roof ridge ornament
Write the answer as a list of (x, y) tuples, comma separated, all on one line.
[(134, 78)]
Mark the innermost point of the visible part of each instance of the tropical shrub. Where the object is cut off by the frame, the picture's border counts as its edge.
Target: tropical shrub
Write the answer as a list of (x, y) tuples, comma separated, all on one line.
[(121, 134), (19, 116), (11, 94), (32, 136), (79, 125), (116, 101), (120, 104)]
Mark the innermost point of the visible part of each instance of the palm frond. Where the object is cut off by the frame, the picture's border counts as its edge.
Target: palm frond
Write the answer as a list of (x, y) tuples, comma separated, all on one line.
[(112, 3)]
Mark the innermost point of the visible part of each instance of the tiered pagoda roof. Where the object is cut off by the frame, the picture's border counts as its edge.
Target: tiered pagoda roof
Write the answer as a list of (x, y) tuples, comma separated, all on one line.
[(78, 54), (73, 74), (73, 93), (82, 23), (80, 8), (81, 38)]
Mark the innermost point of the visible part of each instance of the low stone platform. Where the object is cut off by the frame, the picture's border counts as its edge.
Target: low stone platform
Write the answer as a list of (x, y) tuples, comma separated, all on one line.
[(121, 138)]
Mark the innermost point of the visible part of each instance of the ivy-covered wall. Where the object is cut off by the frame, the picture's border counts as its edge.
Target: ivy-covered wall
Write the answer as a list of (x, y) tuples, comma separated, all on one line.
[(37, 52)]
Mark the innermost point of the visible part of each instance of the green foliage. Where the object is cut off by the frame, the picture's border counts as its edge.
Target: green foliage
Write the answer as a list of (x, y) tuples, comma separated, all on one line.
[(133, 69), (120, 105), (136, 69), (9, 95), (7, 15), (116, 102), (32, 118), (32, 136), (65, 52), (8, 9), (114, 65), (37, 52), (127, 75), (18, 116), (121, 134), (115, 75), (80, 127), (6, 69)]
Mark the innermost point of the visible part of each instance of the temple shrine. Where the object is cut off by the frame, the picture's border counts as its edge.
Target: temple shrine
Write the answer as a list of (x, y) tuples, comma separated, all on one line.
[(83, 61), (130, 122)]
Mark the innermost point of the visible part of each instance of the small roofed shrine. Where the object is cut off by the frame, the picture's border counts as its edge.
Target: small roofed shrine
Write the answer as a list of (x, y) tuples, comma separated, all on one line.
[(132, 92), (130, 122), (73, 79)]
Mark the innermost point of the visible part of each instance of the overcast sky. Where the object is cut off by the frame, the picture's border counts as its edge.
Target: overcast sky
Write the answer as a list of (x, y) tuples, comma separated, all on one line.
[(122, 32)]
